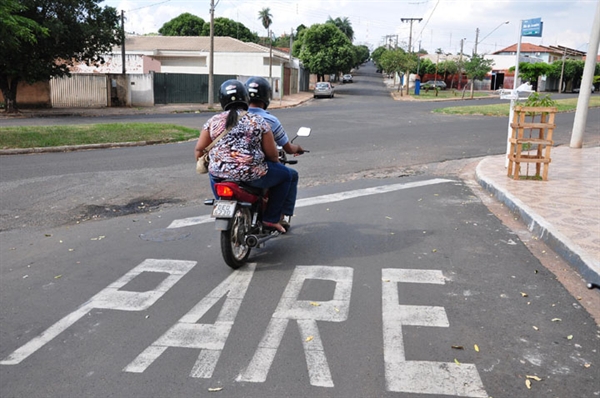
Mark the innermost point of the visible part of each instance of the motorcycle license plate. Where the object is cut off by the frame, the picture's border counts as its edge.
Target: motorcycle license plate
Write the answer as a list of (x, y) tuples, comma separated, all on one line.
[(224, 209)]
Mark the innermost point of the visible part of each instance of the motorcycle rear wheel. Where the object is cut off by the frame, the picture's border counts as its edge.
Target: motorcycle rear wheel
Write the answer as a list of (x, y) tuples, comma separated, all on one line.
[(234, 249)]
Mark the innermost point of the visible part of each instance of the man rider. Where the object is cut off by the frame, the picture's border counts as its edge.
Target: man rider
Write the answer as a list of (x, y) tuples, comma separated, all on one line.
[(259, 91)]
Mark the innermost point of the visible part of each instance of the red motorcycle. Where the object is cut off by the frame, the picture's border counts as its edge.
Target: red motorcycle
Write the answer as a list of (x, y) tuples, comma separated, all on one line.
[(238, 215)]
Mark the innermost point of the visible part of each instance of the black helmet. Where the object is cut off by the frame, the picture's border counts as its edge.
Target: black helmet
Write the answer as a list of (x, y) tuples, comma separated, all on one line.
[(259, 89), (233, 92)]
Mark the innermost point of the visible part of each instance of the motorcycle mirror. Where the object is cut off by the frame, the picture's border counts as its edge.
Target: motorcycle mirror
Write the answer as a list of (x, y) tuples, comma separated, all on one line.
[(303, 132)]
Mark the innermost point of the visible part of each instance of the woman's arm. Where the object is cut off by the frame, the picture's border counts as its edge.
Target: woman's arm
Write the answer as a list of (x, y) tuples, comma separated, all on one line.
[(203, 141), (269, 147)]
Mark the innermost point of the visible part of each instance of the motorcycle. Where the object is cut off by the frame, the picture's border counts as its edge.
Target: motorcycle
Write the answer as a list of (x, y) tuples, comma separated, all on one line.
[(238, 215)]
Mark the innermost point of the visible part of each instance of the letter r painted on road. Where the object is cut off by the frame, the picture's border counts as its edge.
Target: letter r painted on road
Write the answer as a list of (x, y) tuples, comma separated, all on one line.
[(306, 313), (111, 298), (419, 377)]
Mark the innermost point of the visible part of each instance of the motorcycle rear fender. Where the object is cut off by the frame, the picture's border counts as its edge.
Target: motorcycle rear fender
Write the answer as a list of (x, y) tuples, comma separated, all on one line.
[(223, 224)]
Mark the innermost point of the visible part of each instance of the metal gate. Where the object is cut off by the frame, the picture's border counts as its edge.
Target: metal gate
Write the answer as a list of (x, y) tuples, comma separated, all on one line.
[(183, 88), (79, 91)]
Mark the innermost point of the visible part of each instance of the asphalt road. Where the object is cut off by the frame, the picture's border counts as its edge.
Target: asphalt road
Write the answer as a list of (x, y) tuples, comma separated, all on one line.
[(396, 280)]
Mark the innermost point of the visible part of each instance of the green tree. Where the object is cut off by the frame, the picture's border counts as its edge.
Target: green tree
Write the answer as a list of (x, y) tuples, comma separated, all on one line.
[(344, 25), (324, 50), (16, 29), (185, 24), (398, 61), (376, 56), (362, 53), (532, 71), (230, 28), (477, 68), (52, 36)]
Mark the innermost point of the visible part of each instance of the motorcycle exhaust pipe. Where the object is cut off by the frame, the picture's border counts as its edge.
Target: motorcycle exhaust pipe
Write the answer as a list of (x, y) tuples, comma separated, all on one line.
[(256, 240)]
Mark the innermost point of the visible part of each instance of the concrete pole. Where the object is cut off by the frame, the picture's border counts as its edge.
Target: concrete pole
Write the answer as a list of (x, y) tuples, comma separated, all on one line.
[(586, 83), (211, 56), (511, 112)]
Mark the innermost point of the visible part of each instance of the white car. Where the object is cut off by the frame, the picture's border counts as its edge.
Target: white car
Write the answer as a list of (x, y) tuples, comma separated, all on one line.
[(576, 90)]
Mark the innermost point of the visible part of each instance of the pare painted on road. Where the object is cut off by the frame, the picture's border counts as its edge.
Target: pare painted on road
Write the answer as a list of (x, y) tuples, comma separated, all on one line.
[(401, 375)]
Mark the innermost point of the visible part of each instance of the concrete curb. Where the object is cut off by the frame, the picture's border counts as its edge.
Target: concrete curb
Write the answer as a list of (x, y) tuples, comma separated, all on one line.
[(588, 267), (70, 148)]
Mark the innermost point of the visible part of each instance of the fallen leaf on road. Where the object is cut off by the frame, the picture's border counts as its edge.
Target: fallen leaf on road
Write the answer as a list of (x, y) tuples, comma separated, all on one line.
[(536, 328), (476, 347), (309, 338), (215, 389), (528, 384), (534, 378), (556, 320), (458, 347), (58, 277), (389, 218), (570, 337), (524, 294), (456, 361), (314, 304), (587, 365)]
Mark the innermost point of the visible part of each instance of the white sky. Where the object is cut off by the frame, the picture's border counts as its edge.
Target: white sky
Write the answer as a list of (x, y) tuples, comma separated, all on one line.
[(444, 22)]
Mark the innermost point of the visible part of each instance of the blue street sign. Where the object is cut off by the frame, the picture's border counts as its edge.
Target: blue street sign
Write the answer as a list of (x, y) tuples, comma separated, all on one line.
[(532, 27)]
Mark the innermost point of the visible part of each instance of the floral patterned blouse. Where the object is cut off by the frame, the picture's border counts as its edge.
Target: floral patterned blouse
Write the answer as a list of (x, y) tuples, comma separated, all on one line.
[(238, 155)]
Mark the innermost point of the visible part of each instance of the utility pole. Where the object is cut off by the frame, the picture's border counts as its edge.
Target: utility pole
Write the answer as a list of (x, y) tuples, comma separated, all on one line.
[(124, 70), (476, 39), (462, 42), (411, 20), (211, 56), (270, 58)]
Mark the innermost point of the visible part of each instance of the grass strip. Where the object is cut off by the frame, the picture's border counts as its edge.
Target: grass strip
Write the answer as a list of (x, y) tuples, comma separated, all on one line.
[(563, 105), (52, 136)]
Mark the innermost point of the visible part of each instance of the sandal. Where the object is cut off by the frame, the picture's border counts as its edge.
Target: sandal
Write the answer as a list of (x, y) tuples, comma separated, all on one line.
[(275, 226)]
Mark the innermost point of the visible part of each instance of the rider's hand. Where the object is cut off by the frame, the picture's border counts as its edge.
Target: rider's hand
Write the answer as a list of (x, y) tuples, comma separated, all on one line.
[(299, 150)]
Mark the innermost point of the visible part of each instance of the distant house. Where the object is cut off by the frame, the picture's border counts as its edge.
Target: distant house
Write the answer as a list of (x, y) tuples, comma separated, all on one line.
[(167, 69), (190, 55), (506, 58)]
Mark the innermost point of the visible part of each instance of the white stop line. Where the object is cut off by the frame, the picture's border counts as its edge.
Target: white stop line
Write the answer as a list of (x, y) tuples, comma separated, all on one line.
[(318, 200)]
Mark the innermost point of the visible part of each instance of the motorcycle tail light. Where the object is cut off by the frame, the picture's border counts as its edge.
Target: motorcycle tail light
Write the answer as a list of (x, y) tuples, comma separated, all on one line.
[(223, 191)]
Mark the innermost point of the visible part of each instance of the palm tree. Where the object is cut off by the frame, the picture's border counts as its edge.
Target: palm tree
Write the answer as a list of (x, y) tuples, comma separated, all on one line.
[(344, 25), (266, 18)]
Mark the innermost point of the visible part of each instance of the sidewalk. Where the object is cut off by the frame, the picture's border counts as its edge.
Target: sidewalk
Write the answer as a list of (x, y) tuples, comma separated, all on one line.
[(564, 211), (286, 102)]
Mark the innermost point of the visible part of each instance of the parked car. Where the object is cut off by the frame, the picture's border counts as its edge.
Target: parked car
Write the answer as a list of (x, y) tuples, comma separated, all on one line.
[(323, 89), (347, 78), (576, 90), (434, 83)]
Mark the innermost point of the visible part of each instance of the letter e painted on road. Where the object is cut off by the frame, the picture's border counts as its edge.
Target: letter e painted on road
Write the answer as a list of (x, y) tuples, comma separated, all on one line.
[(419, 377)]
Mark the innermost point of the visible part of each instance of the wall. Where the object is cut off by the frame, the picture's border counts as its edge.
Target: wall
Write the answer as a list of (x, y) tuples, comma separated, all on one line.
[(141, 90), (35, 95)]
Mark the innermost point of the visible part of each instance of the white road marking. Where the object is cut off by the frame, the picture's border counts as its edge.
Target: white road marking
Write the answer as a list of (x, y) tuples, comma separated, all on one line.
[(419, 377), (111, 298), (306, 313), (210, 339), (336, 197)]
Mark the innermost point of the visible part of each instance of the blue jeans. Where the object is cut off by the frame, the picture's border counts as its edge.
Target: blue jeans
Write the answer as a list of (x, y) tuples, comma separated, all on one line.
[(282, 183)]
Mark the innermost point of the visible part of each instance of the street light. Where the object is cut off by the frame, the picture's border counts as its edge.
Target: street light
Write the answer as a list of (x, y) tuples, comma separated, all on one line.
[(488, 35)]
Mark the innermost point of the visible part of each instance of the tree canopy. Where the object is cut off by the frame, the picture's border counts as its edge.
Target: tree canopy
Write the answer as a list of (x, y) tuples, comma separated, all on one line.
[(44, 37), (228, 27), (324, 50), (191, 25), (185, 24)]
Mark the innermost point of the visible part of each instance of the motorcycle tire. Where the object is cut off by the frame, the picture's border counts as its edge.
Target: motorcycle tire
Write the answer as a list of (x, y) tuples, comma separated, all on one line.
[(234, 249)]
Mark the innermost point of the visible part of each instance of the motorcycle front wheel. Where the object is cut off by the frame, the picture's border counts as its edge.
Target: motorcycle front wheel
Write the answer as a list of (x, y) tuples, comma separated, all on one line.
[(233, 241)]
